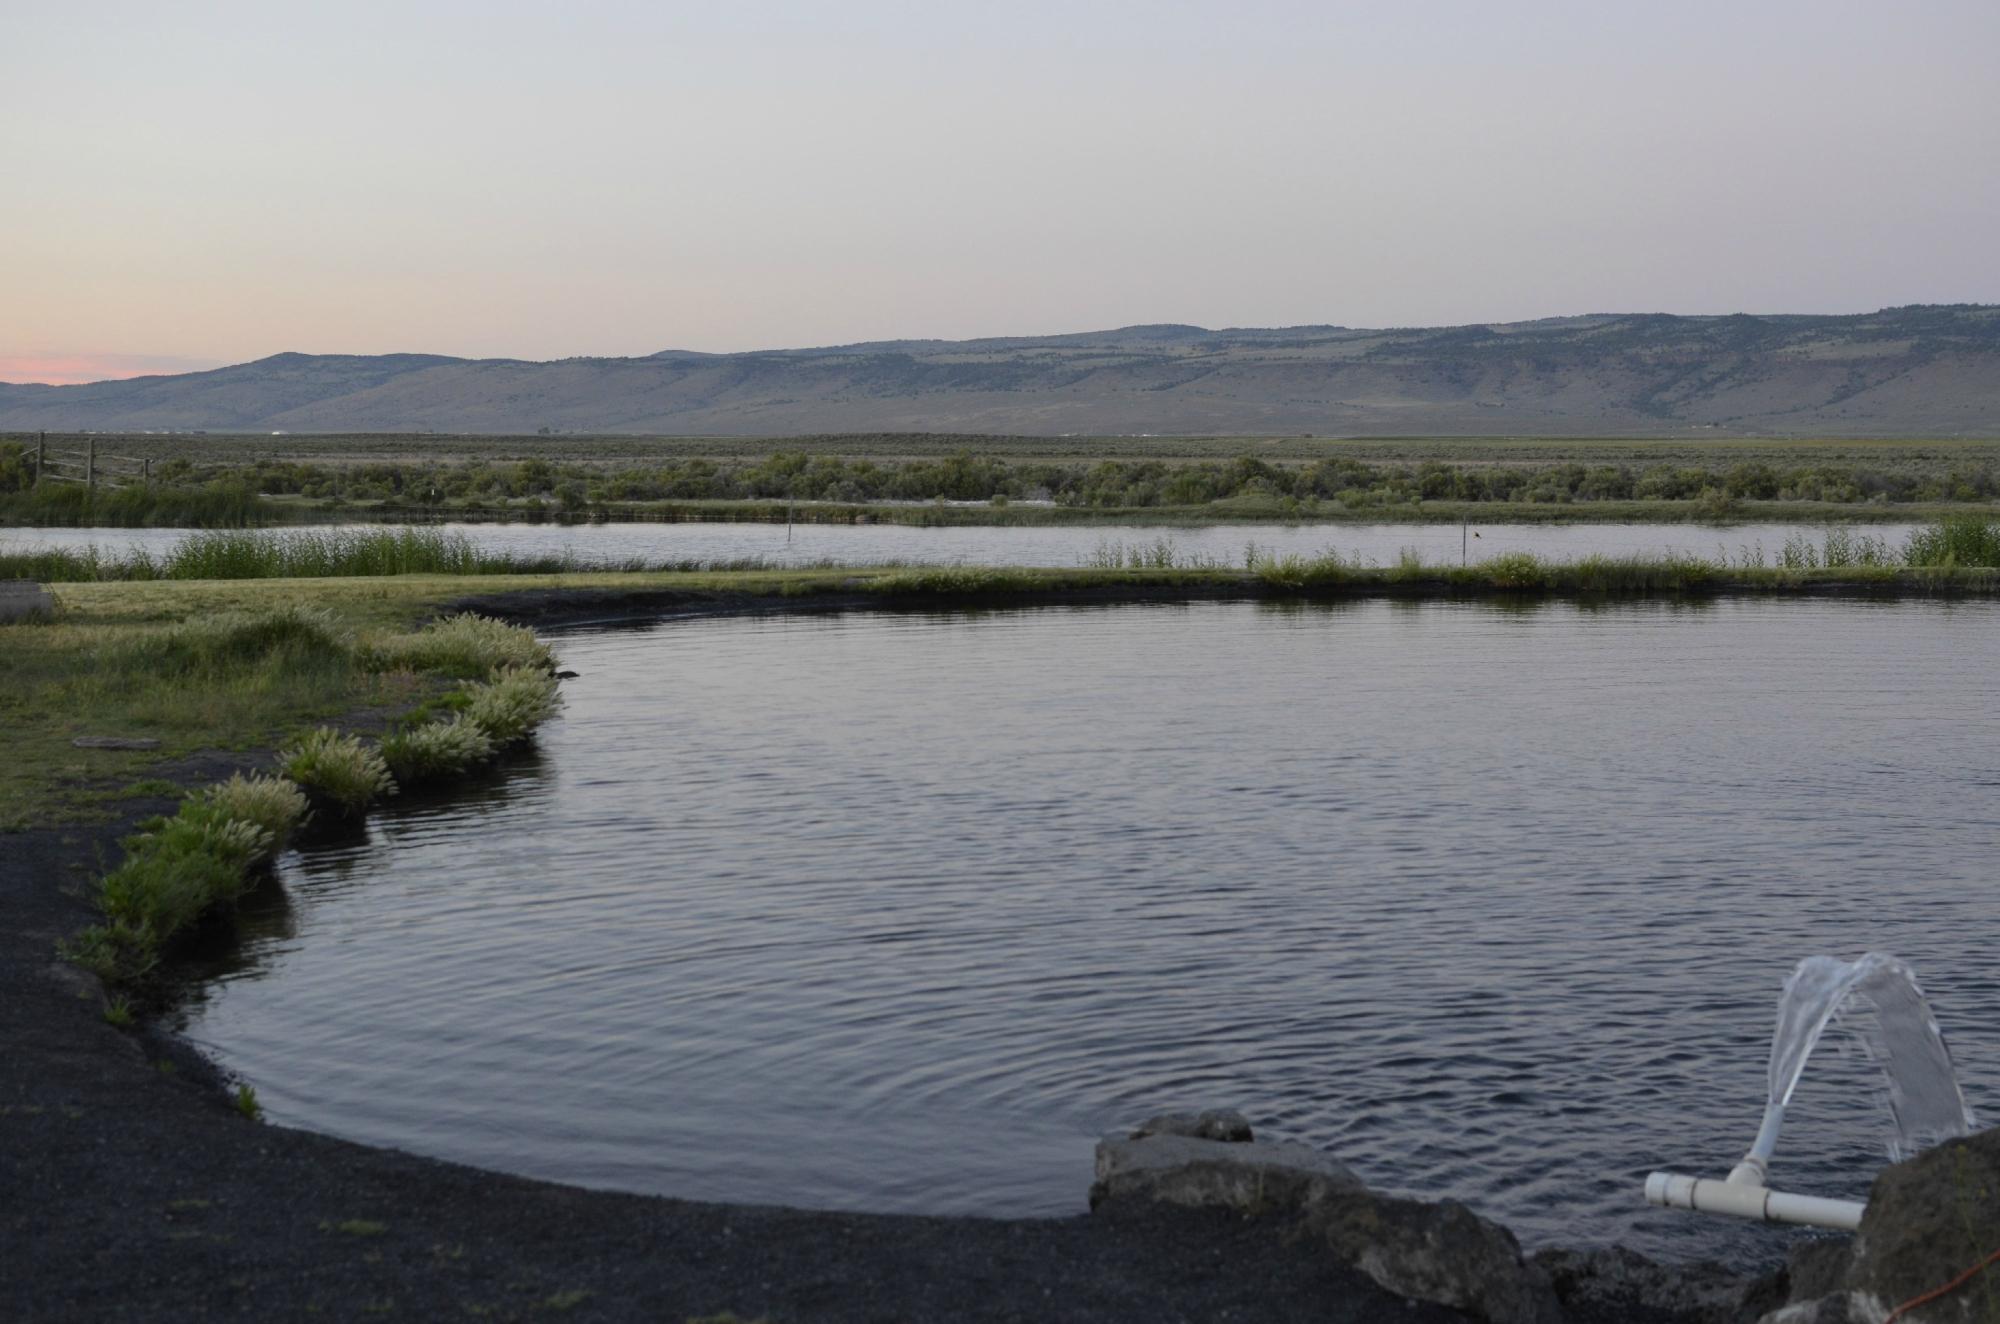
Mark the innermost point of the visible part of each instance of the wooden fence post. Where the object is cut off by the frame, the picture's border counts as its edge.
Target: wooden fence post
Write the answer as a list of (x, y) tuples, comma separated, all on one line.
[(146, 472), (90, 468), (41, 455)]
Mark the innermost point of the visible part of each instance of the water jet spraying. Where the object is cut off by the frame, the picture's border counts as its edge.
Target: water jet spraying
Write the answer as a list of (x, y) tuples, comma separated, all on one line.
[(1876, 997)]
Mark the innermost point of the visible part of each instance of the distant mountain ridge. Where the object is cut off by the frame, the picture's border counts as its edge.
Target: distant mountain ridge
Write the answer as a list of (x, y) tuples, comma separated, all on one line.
[(1923, 370)]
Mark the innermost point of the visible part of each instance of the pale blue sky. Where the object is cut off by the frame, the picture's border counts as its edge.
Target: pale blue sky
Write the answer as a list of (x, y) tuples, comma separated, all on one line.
[(215, 182)]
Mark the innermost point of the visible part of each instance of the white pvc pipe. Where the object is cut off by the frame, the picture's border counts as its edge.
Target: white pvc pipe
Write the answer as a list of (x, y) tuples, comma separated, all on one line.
[(1743, 1200)]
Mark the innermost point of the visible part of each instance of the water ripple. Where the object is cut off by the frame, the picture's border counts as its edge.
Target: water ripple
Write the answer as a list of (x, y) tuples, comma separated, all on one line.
[(897, 912)]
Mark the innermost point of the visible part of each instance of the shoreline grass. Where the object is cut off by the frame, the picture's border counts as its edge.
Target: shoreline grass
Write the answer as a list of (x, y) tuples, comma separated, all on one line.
[(119, 658), (179, 870), (1963, 540)]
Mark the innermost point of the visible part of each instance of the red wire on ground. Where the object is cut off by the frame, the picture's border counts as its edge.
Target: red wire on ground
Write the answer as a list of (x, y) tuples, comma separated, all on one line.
[(1937, 1292)]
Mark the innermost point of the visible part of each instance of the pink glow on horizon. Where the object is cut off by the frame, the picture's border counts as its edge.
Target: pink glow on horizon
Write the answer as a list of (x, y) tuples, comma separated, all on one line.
[(77, 369)]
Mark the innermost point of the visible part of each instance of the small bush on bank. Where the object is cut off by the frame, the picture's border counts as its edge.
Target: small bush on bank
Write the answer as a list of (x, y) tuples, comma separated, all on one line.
[(1293, 571), (512, 704), (172, 875), (1956, 540), (466, 645), (340, 768), (274, 804), (437, 749), (1519, 571)]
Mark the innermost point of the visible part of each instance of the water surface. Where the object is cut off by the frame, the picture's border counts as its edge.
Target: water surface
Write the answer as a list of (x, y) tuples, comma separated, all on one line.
[(898, 912), (1058, 545)]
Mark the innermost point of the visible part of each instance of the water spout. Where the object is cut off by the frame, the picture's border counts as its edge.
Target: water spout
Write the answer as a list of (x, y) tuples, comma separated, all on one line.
[(1877, 998)]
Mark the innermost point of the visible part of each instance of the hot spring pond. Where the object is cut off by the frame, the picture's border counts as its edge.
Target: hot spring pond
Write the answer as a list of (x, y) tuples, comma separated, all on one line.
[(898, 912)]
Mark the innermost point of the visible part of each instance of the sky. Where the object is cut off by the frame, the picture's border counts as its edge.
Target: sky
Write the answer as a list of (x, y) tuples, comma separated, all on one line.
[(193, 184)]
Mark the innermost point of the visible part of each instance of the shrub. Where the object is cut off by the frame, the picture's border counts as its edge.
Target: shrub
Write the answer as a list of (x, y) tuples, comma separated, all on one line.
[(466, 645), (437, 749), (1409, 567), (1956, 540), (1298, 572), (1515, 570), (340, 768), (273, 804), (513, 704), (187, 864)]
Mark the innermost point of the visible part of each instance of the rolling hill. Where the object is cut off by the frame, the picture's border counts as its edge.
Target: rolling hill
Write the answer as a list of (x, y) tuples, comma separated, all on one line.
[(1925, 370)]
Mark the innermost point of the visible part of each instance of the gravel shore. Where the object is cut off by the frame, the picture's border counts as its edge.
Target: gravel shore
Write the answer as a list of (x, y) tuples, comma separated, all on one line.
[(130, 1188)]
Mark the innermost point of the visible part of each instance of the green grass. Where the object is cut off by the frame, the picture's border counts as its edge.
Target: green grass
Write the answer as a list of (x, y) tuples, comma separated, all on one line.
[(180, 869), (320, 554), (430, 751), (1960, 540), (338, 770), (224, 503), (931, 479), (509, 707), (172, 875), (99, 667)]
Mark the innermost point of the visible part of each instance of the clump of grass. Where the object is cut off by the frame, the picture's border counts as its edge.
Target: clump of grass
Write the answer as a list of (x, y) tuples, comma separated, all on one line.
[(1837, 548), (320, 554), (508, 708), (274, 804), (234, 639), (1409, 567), (1293, 571), (339, 768), (246, 1102), (1160, 554), (1955, 540), (76, 565), (953, 579), (1515, 572), (466, 645), (437, 749), (221, 504), (1632, 574), (171, 876)]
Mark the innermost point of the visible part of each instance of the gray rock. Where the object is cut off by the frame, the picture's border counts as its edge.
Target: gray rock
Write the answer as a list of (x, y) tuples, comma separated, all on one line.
[(1263, 1177), (1623, 1284), (1440, 1253), (1225, 1124), (1928, 1221), (1818, 1267), (21, 598)]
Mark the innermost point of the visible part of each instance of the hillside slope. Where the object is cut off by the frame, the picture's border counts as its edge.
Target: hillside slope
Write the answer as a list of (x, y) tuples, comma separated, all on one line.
[(1917, 371)]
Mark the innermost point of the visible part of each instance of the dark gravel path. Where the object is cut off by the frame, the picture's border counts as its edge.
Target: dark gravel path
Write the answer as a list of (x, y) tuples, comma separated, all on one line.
[(131, 1189)]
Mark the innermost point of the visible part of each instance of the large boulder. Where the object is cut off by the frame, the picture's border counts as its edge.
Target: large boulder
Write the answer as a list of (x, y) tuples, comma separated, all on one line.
[(1442, 1253), (22, 598), (1929, 1221), (1252, 1177)]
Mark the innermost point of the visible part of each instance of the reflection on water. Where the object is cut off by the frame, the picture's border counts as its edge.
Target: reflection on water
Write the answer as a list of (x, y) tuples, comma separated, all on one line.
[(900, 911), (1058, 545)]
